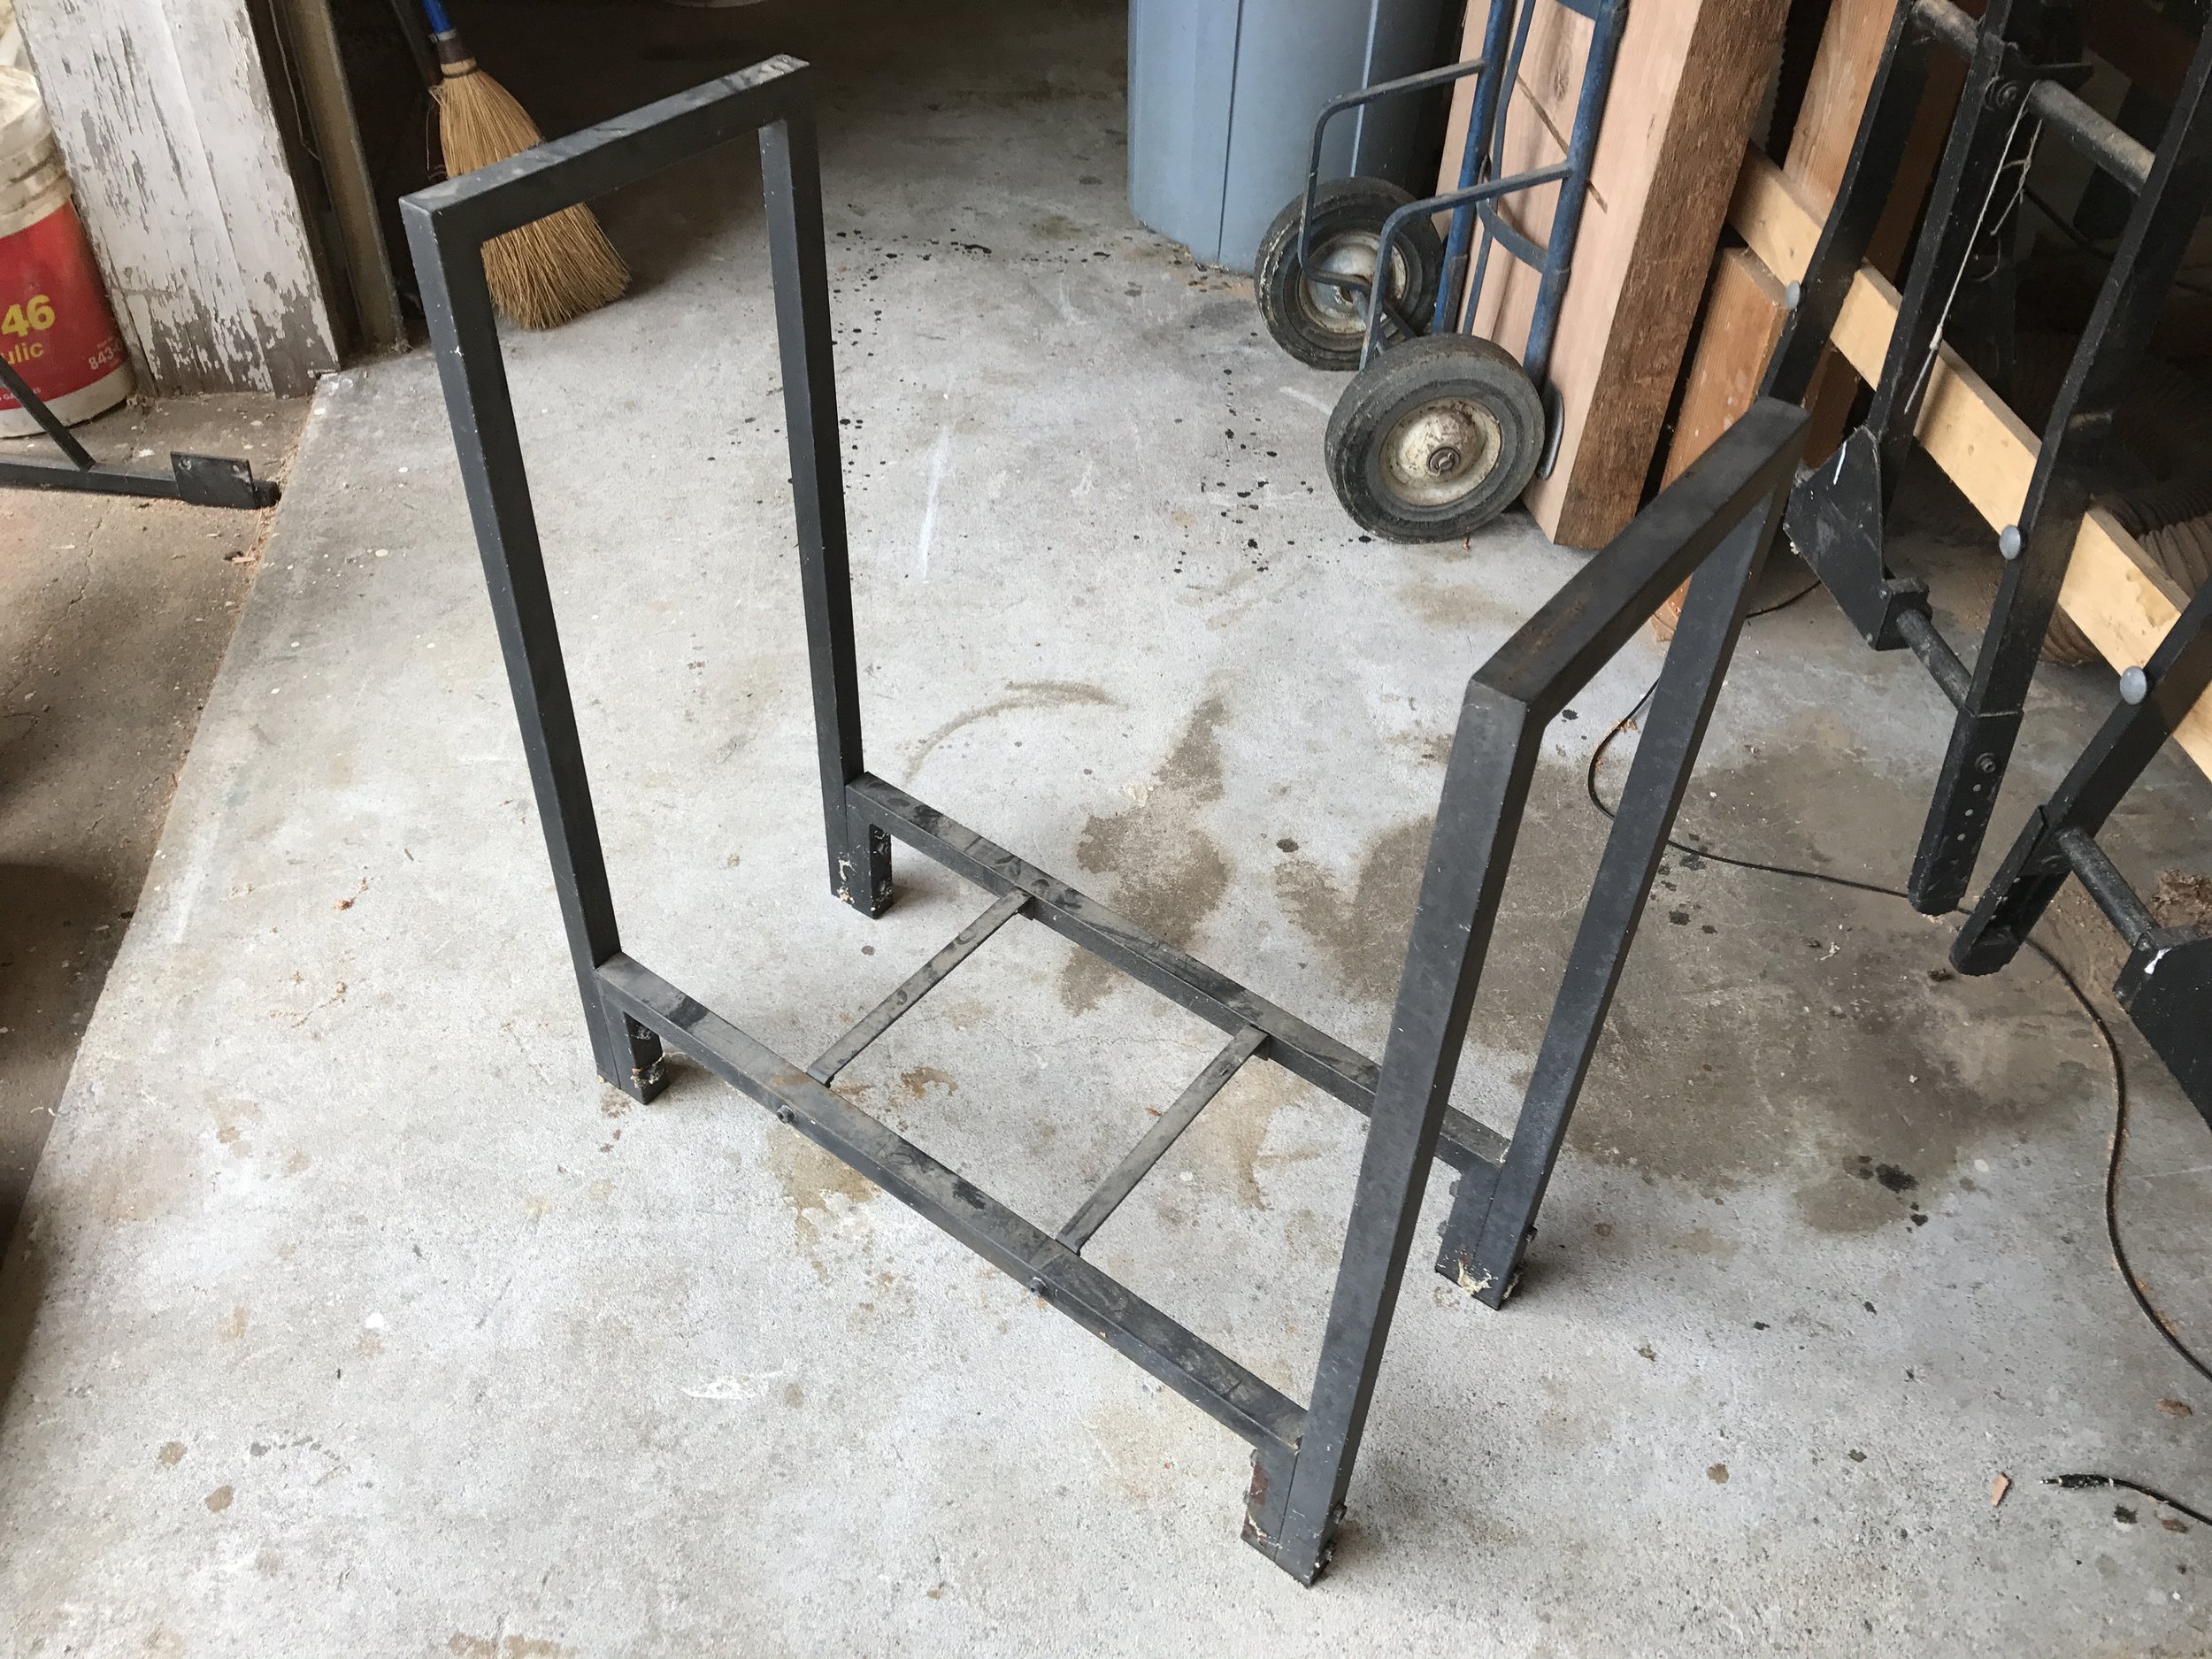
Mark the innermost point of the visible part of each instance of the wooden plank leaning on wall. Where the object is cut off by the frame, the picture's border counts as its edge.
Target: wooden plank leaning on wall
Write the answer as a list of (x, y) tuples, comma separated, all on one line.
[(1680, 111)]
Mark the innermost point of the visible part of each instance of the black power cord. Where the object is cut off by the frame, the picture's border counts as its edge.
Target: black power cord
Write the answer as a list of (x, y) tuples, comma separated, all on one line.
[(2094, 1483), (2164, 1327)]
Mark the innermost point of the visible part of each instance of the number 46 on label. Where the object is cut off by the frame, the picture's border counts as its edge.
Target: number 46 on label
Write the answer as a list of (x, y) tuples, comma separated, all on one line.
[(21, 319)]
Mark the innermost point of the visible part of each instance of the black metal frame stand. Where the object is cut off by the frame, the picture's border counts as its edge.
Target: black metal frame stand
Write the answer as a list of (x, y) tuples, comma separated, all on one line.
[(1838, 513), (1715, 524), (205, 481)]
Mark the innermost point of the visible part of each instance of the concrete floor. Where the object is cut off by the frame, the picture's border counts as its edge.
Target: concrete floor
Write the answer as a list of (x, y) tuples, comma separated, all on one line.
[(114, 617), (350, 1312)]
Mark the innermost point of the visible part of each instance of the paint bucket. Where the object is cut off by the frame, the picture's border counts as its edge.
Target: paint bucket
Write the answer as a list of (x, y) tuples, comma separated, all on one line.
[(56, 329)]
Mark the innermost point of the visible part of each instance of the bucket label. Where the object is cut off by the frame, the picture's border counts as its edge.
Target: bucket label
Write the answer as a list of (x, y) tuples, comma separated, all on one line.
[(56, 330)]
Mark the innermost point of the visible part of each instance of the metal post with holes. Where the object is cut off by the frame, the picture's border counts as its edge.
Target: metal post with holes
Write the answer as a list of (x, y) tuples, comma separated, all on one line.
[(1713, 524)]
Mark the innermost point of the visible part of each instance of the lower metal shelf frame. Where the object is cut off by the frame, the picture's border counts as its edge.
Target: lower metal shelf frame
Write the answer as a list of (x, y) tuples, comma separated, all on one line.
[(1713, 527)]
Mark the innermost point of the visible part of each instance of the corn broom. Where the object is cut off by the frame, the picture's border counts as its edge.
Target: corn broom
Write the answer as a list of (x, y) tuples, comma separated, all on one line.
[(544, 273)]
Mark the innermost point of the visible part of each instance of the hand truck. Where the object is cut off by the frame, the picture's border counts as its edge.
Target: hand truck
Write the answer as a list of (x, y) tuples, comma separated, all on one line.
[(1439, 430)]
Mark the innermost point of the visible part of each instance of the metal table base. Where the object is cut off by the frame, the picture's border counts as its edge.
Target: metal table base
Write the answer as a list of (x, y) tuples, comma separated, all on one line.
[(1715, 524)]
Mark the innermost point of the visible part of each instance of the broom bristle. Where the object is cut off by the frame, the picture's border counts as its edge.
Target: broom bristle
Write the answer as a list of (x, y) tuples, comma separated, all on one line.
[(546, 272)]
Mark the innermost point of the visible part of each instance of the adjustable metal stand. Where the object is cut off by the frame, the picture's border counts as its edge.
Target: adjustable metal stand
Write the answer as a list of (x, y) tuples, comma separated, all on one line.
[(205, 481), (1714, 524), (1837, 514)]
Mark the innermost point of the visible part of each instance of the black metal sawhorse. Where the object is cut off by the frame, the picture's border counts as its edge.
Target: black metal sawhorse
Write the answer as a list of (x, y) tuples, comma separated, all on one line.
[(1838, 513), (1715, 524)]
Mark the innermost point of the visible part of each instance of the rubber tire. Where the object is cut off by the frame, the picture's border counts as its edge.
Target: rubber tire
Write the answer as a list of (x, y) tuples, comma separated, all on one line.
[(1397, 384), (1340, 208)]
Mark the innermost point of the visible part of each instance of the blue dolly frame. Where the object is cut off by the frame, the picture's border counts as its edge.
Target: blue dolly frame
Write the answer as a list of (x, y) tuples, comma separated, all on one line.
[(1478, 226)]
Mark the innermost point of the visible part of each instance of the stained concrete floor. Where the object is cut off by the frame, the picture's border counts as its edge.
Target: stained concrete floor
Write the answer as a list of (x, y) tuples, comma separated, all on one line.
[(350, 1311), (114, 617)]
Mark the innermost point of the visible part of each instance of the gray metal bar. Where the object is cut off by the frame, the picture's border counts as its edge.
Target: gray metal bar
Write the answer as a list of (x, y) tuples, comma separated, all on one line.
[(919, 984), (306, 26), (1950, 672), (859, 857), (199, 481), (49, 421), (2125, 157), (2106, 885), (34, 472), (203, 481), (1208, 1379), (1473, 1148), (1162, 1134), (1956, 29)]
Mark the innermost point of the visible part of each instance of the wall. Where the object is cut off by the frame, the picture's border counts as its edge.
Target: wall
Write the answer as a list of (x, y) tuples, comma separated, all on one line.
[(163, 111)]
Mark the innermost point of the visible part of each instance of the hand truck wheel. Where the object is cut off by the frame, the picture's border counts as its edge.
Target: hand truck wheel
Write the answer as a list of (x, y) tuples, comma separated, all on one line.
[(1435, 438), (1318, 321)]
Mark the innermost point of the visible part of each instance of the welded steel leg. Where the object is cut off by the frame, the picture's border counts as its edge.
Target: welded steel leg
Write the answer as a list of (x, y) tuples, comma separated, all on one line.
[(1297, 1495), (466, 338), (859, 854), (2173, 200), (1491, 1224), (1295, 1511)]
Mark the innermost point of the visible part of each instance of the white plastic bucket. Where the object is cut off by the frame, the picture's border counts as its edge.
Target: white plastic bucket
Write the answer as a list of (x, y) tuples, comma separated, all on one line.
[(56, 329)]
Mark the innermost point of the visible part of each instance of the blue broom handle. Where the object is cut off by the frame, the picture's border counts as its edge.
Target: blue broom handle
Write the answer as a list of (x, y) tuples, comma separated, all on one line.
[(440, 23)]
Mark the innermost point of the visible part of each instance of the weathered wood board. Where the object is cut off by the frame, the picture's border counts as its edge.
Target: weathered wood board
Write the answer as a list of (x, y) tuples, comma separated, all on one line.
[(162, 111)]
